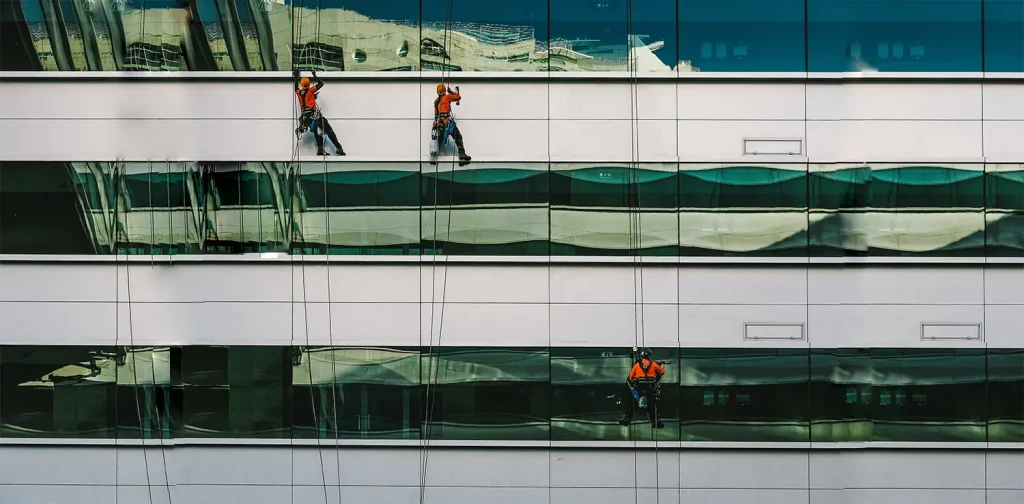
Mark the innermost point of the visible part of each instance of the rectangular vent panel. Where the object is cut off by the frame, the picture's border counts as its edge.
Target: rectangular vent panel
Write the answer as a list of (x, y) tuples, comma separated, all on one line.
[(771, 331), (935, 331), (773, 146)]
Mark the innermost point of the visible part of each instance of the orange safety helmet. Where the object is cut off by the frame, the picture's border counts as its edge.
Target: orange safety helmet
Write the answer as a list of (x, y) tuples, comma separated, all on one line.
[(441, 88), (304, 82)]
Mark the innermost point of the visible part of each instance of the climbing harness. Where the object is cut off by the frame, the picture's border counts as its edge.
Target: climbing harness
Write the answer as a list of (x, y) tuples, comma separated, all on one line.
[(434, 359), (117, 173)]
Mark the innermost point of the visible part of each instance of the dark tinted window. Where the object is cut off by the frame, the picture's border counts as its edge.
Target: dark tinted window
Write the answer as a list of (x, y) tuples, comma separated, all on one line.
[(899, 395), (1004, 35), (143, 392), (591, 36), (246, 207), (486, 393), (1004, 210), (1006, 396), (57, 391), (356, 393), (742, 35), (496, 210), (156, 207), (45, 208), (744, 395), (589, 395), (236, 391), (838, 194)]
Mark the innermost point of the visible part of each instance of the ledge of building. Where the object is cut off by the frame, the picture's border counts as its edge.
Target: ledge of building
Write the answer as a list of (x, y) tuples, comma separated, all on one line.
[(568, 77)]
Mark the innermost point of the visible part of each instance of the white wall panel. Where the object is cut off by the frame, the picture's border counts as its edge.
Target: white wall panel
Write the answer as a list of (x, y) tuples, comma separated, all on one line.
[(887, 325), (852, 101), (612, 140), (359, 466), (44, 465), (220, 323), (862, 496), (746, 496), (1002, 141), (493, 140), (142, 100), (1004, 285), (184, 282), (1003, 102), (448, 468), (741, 469), (350, 283), (57, 323), (1004, 326), (489, 101), (723, 325), (484, 284), (731, 285), (366, 139), (722, 141), (611, 325), (1004, 496), (60, 493), (221, 494), (346, 101), (45, 282), (356, 324), (146, 139), (747, 102), (889, 285), (1003, 470), (476, 324), (596, 284), (875, 470), (893, 141)]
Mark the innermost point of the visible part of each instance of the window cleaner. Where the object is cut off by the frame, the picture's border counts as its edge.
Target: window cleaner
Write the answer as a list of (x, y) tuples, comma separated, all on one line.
[(444, 124), (310, 117), (644, 383)]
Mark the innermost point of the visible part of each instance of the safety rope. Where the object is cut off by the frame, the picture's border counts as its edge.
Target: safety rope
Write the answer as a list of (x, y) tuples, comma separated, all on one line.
[(330, 344), (119, 172), (435, 360)]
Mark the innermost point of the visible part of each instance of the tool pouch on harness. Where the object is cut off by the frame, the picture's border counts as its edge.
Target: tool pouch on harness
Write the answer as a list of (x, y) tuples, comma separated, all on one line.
[(307, 120), (645, 389)]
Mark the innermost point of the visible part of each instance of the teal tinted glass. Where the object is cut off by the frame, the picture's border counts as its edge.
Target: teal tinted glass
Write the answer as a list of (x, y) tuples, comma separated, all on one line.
[(741, 36)]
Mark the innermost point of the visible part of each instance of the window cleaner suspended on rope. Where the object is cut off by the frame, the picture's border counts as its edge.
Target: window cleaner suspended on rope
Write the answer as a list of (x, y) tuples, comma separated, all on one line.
[(444, 124), (310, 117), (644, 383)]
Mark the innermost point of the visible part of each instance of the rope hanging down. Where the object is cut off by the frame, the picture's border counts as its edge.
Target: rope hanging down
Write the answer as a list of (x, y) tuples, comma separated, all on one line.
[(434, 358), (118, 173)]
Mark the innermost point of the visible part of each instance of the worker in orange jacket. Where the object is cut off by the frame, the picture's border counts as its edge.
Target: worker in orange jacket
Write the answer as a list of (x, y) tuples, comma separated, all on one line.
[(643, 381), (443, 121), (310, 117)]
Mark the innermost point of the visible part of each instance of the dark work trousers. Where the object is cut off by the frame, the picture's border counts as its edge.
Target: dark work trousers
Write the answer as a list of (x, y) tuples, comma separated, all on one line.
[(456, 135), (652, 406), (321, 124)]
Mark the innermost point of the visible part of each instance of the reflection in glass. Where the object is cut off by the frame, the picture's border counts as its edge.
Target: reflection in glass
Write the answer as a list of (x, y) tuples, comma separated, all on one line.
[(246, 207), (356, 35), (595, 36), (232, 392), (1006, 396), (499, 209), (156, 209), (748, 210), (1004, 35), (744, 395), (356, 208), (356, 393), (894, 35), (589, 395), (611, 209), (143, 392), (54, 208), (484, 36), (936, 395), (486, 393), (57, 391), (1004, 210), (838, 194), (742, 35)]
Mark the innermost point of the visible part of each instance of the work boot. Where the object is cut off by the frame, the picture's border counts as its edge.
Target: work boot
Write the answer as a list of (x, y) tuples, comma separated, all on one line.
[(464, 158), (322, 152), (341, 152)]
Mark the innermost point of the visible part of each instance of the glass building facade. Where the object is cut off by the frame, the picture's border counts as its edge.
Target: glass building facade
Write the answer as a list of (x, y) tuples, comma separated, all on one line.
[(919, 395), (513, 209), (531, 35)]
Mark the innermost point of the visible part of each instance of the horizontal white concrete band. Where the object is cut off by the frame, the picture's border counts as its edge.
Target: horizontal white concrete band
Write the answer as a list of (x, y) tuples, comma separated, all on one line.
[(603, 445), (441, 260), (512, 76)]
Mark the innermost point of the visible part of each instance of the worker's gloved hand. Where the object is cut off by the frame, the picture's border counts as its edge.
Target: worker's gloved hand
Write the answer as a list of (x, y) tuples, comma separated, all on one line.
[(314, 73), (295, 73)]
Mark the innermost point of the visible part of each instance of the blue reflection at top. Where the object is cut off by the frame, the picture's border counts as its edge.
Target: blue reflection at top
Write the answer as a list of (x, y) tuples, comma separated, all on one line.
[(742, 35)]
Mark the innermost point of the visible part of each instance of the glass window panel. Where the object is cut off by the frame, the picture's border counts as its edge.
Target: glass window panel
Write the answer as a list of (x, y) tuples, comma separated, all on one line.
[(24, 40), (156, 207), (233, 392), (485, 209), (894, 35), (356, 393), (57, 391), (744, 395), (143, 392), (357, 208), (1004, 35), (484, 37), (594, 209), (1006, 396), (589, 36), (919, 395), (743, 209), (925, 210), (589, 395), (741, 36), (838, 194), (247, 208), (486, 393), (48, 208), (1004, 210), (356, 35)]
